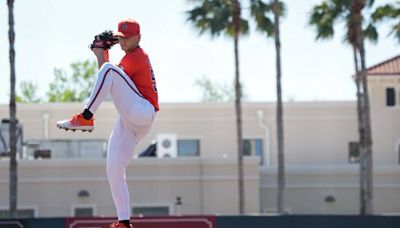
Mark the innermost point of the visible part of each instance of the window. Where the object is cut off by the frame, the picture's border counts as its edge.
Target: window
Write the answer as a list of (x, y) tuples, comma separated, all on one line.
[(253, 147), (188, 147), (65, 148), (59, 148), (93, 148), (390, 97), (83, 211), (151, 210), (21, 213), (354, 152)]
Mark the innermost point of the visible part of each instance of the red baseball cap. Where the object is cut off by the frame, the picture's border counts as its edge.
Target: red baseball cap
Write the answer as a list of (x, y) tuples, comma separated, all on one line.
[(128, 28)]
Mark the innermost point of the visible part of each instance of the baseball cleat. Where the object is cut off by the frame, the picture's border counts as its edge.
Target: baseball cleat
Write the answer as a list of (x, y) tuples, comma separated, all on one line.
[(76, 123)]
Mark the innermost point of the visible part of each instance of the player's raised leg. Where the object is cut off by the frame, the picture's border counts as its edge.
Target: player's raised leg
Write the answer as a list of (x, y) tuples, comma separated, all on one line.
[(84, 121)]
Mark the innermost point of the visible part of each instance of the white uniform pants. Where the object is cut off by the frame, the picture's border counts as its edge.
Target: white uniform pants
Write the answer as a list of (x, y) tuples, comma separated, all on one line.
[(136, 115)]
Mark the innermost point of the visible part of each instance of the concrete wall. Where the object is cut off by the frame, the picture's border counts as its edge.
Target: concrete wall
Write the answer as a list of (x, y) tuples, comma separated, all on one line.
[(308, 187), (206, 186), (385, 120)]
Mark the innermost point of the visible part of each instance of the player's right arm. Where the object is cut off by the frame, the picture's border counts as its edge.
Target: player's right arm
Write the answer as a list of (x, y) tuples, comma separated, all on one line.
[(101, 55)]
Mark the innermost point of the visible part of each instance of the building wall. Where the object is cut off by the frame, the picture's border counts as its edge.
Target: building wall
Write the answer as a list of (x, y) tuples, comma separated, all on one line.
[(308, 187), (385, 120), (315, 132), (317, 136), (206, 186)]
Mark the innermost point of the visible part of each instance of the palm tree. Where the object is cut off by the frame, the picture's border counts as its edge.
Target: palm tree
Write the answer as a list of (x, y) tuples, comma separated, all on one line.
[(224, 16), (263, 14), (323, 17), (13, 123), (366, 169), (389, 11)]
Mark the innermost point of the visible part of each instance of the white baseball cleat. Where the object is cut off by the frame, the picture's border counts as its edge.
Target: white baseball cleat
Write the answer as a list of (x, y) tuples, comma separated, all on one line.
[(77, 122)]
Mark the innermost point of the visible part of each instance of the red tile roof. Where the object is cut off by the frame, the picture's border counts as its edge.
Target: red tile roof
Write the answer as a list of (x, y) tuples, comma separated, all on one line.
[(388, 67)]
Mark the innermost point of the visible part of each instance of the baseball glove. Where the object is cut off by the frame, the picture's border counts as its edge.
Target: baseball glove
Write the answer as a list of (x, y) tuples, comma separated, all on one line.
[(104, 40)]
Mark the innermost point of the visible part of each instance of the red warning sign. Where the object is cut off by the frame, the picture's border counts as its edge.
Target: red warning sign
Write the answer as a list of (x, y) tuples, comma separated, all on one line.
[(146, 222)]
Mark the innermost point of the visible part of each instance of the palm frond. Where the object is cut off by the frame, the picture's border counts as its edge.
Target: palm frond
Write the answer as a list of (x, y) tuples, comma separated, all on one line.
[(264, 16), (323, 17), (386, 11), (389, 11), (396, 31), (214, 17), (370, 33)]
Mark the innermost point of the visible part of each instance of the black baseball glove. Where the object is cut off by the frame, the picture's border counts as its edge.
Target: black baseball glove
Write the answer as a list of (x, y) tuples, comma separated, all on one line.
[(104, 40)]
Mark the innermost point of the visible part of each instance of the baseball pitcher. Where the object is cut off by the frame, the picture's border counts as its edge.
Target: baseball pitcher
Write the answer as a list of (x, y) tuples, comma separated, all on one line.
[(133, 89)]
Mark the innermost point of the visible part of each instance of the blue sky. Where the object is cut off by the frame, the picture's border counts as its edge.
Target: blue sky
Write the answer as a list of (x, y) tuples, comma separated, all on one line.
[(52, 34)]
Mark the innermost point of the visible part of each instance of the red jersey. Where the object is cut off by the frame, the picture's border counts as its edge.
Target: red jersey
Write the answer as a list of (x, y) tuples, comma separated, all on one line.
[(136, 65)]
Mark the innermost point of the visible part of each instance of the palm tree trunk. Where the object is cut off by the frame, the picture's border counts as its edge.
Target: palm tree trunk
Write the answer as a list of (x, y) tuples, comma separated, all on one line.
[(359, 101), (13, 127), (236, 25), (279, 114), (366, 147), (361, 131), (358, 89), (366, 166)]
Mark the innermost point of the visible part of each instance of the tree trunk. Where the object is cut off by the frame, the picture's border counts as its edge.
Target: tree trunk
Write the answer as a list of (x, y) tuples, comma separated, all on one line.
[(358, 89), (366, 166), (361, 131), (360, 105), (279, 114), (238, 92), (13, 123), (366, 147)]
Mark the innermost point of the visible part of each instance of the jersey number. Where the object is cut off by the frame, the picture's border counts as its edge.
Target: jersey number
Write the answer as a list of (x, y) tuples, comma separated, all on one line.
[(153, 79)]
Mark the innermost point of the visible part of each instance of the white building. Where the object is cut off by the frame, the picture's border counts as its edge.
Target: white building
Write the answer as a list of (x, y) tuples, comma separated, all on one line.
[(63, 173)]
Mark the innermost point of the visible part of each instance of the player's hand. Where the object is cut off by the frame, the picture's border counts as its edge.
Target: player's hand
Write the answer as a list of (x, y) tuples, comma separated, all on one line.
[(100, 53)]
